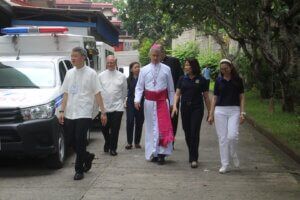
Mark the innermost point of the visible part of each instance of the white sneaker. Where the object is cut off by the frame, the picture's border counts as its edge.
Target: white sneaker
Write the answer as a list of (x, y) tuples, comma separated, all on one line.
[(236, 162), (223, 170)]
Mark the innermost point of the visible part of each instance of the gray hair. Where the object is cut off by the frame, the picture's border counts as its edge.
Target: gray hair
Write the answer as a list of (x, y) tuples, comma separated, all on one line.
[(80, 50), (155, 49), (112, 56)]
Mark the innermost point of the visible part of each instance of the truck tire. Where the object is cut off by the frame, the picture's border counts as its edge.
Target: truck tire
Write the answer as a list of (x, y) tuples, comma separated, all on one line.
[(56, 161)]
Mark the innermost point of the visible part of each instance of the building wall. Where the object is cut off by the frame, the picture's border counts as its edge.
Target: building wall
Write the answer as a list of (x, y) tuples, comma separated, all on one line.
[(119, 47), (42, 3), (107, 12), (205, 43), (129, 44), (186, 36)]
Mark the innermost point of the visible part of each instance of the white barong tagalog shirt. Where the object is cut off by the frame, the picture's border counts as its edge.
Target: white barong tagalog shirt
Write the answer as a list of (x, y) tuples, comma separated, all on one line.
[(113, 89), (81, 85)]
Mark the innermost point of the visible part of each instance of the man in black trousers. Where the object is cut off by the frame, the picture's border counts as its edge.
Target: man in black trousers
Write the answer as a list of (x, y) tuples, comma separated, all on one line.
[(177, 72), (80, 89), (114, 91)]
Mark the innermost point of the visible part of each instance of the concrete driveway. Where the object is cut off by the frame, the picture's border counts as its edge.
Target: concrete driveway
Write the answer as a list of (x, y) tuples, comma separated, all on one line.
[(265, 173)]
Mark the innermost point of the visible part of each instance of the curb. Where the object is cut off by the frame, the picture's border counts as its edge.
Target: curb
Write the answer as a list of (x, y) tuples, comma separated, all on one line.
[(275, 140)]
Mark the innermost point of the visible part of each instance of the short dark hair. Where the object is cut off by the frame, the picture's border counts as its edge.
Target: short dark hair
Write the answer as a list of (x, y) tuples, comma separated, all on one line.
[(195, 65), (80, 50)]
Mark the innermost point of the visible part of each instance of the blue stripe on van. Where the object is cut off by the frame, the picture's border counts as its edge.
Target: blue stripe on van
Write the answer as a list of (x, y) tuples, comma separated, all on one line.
[(58, 101)]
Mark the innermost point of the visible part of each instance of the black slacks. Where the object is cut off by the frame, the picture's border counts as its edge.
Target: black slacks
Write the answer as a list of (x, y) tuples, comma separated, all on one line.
[(207, 84), (192, 116), (134, 118), (174, 120), (111, 130), (77, 131)]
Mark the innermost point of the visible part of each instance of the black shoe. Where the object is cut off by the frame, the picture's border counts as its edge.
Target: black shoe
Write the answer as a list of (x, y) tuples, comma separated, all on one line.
[(128, 146), (138, 146), (106, 149), (88, 163), (113, 153), (161, 160), (154, 159), (78, 176)]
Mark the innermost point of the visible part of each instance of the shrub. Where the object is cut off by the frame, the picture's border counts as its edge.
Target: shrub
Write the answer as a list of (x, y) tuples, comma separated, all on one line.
[(187, 50), (144, 50), (259, 76), (212, 59), (246, 71)]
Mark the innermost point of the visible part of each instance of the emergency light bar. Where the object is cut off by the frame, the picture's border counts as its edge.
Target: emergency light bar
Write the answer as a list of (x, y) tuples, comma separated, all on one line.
[(35, 29)]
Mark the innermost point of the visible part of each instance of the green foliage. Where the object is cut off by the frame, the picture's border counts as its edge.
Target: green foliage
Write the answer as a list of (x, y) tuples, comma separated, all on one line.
[(145, 18), (184, 51), (268, 27), (212, 59), (285, 126), (191, 50), (260, 77), (246, 72), (144, 50), (211, 85)]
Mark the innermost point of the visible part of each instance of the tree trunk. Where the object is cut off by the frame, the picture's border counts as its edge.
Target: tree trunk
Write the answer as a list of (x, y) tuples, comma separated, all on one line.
[(271, 105), (223, 44), (257, 63), (287, 95)]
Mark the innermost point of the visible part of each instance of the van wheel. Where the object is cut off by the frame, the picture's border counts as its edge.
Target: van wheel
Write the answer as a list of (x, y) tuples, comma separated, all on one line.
[(56, 160)]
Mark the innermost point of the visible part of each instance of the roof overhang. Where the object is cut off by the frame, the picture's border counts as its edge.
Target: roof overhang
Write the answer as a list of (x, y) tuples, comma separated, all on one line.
[(6, 8), (6, 13), (64, 17)]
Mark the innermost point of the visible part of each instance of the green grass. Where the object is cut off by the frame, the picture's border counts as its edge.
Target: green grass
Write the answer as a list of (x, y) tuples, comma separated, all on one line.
[(211, 85), (285, 126)]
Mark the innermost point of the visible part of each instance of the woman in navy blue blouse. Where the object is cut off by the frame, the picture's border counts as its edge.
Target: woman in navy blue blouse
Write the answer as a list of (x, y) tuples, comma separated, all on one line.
[(192, 88), (228, 111), (135, 118)]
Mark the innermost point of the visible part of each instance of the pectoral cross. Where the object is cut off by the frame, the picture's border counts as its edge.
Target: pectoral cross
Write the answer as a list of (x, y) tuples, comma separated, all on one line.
[(154, 82), (155, 74)]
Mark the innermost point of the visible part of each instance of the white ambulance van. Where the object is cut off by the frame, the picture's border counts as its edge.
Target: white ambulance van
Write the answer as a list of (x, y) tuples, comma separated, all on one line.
[(103, 51), (33, 64)]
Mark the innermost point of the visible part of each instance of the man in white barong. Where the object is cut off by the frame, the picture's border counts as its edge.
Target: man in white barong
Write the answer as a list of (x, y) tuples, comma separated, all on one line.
[(156, 84), (114, 92)]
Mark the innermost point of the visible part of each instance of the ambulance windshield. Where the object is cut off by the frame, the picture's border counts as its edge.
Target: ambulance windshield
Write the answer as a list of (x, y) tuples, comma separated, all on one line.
[(27, 74)]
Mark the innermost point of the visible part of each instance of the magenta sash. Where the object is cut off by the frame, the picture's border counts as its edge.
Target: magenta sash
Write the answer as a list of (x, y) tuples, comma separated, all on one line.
[(163, 116)]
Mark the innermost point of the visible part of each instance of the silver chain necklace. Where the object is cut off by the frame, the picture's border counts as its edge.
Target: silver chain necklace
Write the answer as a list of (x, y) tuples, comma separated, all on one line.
[(155, 74)]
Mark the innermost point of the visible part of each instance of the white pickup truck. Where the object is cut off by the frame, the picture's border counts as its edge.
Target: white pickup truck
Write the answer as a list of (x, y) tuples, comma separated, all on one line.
[(32, 70)]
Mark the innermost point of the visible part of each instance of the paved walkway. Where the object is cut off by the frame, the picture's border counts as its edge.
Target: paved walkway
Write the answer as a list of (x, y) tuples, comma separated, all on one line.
[(263, 173)]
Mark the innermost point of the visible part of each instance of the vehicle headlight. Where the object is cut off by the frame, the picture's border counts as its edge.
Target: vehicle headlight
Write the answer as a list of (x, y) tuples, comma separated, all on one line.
[(45, 111)]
